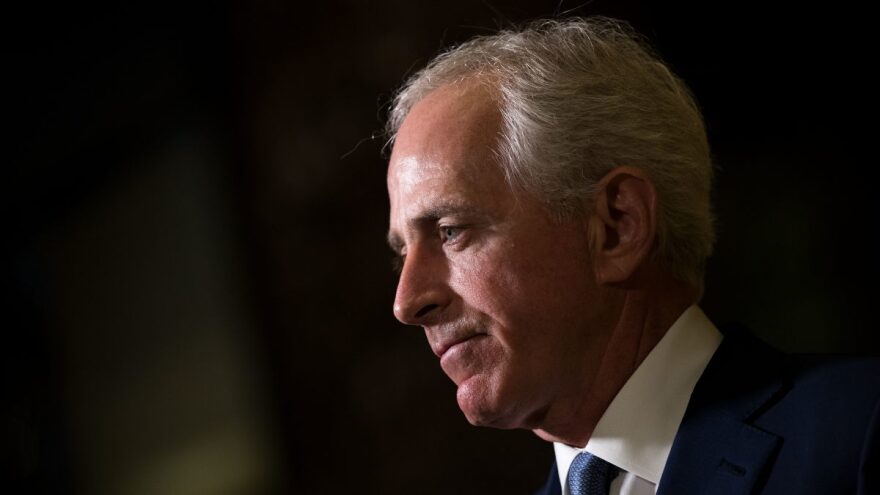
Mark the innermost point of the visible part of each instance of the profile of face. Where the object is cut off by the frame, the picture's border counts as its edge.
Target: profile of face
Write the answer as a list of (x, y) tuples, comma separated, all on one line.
[(506, 294)]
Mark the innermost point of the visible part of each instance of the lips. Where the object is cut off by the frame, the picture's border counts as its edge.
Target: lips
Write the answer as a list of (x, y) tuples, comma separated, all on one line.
[(462, 354), (444, 346)]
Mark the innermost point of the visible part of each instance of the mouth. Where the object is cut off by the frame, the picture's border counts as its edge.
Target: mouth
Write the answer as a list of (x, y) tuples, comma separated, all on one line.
[(445, 347)]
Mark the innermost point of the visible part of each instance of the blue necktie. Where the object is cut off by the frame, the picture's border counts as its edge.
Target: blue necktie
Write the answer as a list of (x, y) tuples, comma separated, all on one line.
[(590, 475)]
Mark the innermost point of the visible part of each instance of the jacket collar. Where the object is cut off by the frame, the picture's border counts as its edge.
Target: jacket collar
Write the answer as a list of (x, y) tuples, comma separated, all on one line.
[(717, 449)]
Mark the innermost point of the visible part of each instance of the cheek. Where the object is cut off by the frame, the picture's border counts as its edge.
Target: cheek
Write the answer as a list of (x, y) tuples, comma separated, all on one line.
[(534, 292), (528, 294), (490, 289)]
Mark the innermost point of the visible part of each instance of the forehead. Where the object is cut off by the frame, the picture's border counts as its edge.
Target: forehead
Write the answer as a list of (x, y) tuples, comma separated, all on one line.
[(455, 126), (444, 153)]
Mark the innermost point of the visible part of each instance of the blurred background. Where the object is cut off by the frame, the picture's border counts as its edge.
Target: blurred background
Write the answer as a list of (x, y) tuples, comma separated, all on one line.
[(196, 285)]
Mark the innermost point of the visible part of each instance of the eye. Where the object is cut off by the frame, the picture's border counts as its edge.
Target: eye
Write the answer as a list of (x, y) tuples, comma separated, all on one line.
[(450, 233)]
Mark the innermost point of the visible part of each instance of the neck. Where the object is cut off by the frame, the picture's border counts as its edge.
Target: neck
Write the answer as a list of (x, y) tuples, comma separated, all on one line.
[(643, 315)]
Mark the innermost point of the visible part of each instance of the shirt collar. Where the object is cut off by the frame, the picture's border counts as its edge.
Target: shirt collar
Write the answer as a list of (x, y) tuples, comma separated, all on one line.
[(637, 430)]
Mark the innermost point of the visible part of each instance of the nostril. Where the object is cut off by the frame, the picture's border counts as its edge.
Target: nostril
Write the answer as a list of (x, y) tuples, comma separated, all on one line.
[(427, 309)]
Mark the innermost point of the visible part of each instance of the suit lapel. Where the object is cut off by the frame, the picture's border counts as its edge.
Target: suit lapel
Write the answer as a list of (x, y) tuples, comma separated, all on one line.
[(552, 485), (717, 449)]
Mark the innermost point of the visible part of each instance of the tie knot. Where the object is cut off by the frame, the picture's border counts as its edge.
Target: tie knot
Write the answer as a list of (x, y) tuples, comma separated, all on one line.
[(590, 475)]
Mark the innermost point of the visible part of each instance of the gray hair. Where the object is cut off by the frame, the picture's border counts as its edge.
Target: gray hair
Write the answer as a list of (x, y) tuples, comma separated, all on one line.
[(579, 97)]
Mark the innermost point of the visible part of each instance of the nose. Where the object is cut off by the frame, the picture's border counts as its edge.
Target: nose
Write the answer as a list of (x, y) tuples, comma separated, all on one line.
[(423, 293)]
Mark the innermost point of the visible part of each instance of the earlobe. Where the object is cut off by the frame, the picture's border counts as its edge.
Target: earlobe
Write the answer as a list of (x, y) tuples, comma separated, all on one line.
[(623, 224)]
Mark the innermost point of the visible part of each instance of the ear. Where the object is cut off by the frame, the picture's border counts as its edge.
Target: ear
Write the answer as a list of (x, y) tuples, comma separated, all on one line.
[(623, 224)]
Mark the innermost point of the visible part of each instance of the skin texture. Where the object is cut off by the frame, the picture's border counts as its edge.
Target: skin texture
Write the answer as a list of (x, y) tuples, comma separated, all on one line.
[(538, 322)]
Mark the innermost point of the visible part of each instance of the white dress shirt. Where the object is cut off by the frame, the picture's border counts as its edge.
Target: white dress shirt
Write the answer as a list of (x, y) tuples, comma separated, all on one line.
[(636, 431)]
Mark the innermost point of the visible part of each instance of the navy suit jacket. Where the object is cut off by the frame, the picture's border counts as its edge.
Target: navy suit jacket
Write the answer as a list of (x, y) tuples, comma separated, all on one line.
[(761, 422)]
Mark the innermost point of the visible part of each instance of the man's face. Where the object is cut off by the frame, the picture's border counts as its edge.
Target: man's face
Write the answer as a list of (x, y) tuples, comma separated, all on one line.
[(506, 295)]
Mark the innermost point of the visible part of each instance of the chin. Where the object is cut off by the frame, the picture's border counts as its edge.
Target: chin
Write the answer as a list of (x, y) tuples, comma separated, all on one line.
[(482, 407)]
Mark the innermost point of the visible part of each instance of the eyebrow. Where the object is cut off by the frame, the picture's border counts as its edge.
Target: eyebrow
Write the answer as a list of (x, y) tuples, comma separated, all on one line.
[(431, 215)]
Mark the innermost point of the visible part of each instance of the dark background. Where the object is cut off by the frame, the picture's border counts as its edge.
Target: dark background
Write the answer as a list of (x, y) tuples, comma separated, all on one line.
[(197, 290)]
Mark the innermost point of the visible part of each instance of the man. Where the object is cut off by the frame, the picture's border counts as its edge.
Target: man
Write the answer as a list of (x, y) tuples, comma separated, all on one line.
[(550, 204)]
